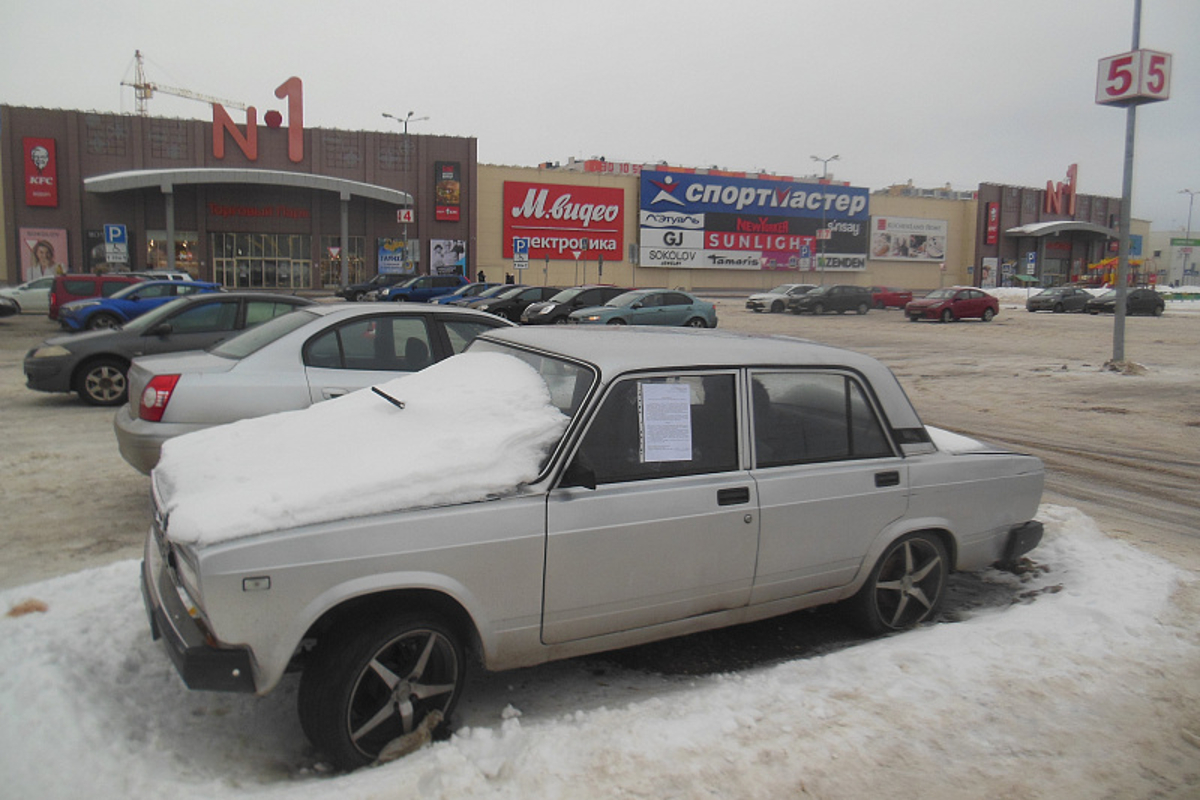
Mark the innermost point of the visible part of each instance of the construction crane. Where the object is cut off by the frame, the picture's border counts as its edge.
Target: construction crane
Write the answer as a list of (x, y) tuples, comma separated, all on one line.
[(143, 90)]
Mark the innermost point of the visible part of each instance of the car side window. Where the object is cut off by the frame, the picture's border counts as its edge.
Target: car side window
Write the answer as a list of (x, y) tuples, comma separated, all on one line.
[(77, 287), (676, 299), (462, 332), (205, 317), (808, 417), (662, 427), (377, 343), (162, 290), (262, 310)]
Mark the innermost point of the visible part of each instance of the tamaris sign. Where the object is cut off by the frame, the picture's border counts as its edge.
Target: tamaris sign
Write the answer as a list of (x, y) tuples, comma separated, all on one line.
[(562, 220)]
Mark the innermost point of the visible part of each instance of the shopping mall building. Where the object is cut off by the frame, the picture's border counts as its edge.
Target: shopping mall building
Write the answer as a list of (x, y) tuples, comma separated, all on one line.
[(269, 203)]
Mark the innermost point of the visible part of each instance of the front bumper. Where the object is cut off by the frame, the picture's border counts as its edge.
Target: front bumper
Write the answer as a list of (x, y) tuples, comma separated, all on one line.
[(202, 665), (47, 374)]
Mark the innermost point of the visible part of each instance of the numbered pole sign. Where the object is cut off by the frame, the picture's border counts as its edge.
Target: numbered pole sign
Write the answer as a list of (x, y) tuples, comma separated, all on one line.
[(1139, 76)]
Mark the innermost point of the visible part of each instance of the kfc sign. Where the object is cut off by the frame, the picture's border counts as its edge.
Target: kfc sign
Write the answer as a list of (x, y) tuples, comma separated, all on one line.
[(41, 173), (993, 223), (560, 219)]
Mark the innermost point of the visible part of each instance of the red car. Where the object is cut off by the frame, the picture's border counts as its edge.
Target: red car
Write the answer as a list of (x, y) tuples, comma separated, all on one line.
[(955, 302), (890, 297)]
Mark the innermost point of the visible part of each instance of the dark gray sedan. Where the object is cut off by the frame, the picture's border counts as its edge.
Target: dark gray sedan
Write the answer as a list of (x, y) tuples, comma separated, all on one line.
[(95, 364), (1059, 299)]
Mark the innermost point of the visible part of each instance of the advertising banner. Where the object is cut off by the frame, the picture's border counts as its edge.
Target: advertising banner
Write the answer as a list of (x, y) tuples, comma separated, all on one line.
[(993, 223), (398, 256), (41, 172), (908, 239), (43, 252), (560, 221), (447, 186), (447, 257), (719, 222)]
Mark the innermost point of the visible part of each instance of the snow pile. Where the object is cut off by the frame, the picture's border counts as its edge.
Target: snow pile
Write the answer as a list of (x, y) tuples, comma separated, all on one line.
[(1045, 687), (474, 425)]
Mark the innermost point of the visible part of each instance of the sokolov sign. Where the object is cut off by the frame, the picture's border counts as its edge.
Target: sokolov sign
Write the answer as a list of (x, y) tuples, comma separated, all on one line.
[(560, 219)]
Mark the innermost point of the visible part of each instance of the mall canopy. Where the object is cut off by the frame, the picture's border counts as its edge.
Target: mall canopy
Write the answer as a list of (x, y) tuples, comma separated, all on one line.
[(1038, 229), (167, 179)]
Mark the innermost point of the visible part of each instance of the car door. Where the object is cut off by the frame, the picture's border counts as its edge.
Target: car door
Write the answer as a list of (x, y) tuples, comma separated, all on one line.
[(670, 528), (365, 351), (194, 327), (827, 475)]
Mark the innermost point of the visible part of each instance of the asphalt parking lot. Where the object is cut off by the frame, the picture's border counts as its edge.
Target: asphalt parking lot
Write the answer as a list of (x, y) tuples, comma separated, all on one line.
[(1123, 447)]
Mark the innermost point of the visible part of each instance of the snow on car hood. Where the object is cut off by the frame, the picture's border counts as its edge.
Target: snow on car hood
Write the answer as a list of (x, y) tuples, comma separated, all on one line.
[(474, 425)]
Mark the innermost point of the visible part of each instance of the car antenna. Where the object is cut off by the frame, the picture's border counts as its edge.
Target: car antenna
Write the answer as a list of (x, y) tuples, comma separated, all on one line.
[(388, 397)]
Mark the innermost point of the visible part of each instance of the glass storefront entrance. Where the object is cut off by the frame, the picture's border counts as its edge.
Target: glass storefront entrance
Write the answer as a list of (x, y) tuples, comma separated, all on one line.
[(262, 260)]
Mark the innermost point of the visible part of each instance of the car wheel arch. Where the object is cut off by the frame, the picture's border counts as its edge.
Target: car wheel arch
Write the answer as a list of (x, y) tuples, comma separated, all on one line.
[(91, 362), (888, 536)]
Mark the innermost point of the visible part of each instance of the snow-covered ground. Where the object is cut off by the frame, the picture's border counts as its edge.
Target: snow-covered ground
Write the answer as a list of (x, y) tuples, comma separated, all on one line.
[(1025, 695)]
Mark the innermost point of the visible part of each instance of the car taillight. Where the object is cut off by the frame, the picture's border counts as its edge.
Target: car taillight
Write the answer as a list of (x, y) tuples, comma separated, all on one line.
[(155, 397)]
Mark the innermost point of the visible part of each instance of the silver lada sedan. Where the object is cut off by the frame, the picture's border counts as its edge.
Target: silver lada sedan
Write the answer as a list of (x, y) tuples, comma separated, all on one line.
[(619, 486)]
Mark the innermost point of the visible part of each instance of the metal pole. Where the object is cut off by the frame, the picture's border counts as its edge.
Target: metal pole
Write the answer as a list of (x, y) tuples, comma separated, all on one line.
[(824, 178), (1126, 201), (1187, 236)]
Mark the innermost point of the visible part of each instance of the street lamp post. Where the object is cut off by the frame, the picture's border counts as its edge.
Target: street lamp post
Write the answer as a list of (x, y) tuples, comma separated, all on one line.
[(1187, 256), (824, 177), (407, 118)]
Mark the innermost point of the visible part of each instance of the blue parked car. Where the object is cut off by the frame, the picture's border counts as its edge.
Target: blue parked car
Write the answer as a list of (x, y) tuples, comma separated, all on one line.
[(650, 307), (102, 313), (423, 288), (467, 292)]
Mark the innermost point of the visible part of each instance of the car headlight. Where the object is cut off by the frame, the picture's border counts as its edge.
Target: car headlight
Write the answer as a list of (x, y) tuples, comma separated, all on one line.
[(51, 351), (592, 318), (546, 310), (83, 305)]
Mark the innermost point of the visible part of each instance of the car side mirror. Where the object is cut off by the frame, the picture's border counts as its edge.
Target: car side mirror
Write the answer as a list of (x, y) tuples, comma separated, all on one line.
[(578, 474), (636, 305), (161, 329)]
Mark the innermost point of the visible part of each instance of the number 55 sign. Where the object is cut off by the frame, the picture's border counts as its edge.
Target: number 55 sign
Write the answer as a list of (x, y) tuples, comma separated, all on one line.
[(1141, 76)]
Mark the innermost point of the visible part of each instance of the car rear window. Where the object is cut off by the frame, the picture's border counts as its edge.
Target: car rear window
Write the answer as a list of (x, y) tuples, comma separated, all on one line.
[(259, 337), (78, 286)]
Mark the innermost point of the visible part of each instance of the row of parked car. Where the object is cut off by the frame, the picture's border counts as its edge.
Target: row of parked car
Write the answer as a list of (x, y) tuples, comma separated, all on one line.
[(946, 304)]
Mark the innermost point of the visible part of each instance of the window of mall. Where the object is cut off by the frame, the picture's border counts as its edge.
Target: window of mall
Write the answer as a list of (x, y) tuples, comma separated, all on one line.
[(262, 260), (331, 261), (186, 247)]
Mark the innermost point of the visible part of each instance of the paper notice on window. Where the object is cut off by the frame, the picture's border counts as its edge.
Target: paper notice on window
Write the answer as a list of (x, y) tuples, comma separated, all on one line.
[(666, 421)]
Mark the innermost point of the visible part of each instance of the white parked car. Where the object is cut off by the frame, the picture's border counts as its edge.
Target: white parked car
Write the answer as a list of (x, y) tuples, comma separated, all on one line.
[(290, 362), (32, 296), (615, 486), (776, 300)]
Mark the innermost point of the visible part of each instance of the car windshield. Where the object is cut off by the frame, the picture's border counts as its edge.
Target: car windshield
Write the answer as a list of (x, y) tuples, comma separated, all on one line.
[(495, 290), (569, 382), (128, 290), (262, 335), (567, 294), (1050, 292), (819, 290), (1111, 294), (511, 291), (151, 318), (781, 289), (941, 294)]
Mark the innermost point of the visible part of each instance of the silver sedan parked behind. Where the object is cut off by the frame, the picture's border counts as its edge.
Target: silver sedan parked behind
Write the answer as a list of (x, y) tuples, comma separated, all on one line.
[(291, 362)]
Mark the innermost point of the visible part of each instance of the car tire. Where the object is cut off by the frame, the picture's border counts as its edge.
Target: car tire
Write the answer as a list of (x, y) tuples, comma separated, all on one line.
[(412, 663), (560, 320), (906, 586), (357, 297), (947, 316), (1058, 308), (616, 321), (987, 315), (862, 309), (818, 309), (880, 305), (1158, 311), (914, 318), (776, 307), (103, 382), (102, 322), (696, 322)]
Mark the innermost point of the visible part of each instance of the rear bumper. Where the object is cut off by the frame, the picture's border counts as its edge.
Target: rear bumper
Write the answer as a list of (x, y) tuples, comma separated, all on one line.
[(1022, 539), (140, 442), (201, 665)]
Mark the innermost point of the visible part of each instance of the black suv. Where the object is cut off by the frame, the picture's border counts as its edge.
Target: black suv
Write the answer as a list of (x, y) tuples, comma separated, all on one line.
[(838, 297), (360, 291), (556, 310)]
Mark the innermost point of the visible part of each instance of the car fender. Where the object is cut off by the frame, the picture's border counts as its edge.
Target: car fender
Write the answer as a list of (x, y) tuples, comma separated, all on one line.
[(895, 530), (273, 661)]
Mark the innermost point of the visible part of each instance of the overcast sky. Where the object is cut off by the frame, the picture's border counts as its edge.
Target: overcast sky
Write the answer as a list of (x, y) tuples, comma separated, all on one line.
[(935, 91)]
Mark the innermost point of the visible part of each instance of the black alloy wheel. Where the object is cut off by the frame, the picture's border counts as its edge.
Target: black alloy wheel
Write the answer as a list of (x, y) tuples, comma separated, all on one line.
[(367, 687), (906, 586)]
